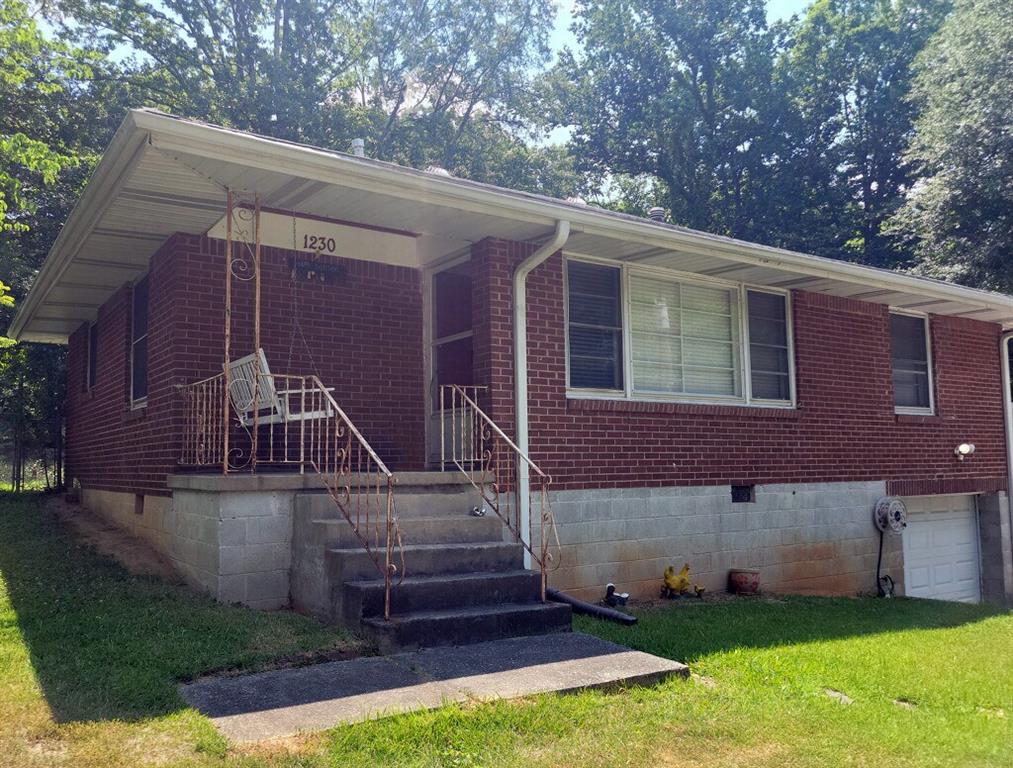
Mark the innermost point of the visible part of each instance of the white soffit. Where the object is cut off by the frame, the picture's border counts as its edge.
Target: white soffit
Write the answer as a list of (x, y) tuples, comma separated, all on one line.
[(163, 174), (318, 235)]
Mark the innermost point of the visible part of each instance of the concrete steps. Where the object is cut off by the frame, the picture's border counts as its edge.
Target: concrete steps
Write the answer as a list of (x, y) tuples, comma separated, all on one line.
[(472, 624), (364, 599), (456, 529), (354, 563), (465, 580)]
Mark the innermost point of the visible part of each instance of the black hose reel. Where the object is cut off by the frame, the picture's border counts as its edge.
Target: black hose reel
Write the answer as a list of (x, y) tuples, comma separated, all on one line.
[(889, 516)]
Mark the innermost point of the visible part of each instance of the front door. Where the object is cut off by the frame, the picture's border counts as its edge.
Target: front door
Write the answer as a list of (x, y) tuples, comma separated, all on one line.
[(451, 353)]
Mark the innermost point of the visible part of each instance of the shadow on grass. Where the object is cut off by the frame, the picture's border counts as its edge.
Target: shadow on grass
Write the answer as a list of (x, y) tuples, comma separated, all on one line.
[(105, 644), (688, 631)]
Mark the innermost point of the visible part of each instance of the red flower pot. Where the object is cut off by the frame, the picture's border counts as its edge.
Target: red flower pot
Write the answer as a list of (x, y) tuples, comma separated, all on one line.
[(743, 581)]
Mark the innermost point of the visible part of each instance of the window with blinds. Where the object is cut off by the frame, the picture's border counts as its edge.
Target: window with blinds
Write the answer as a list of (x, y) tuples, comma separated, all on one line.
[(596, 326), (769, 372), (912, 385), (684, 338)]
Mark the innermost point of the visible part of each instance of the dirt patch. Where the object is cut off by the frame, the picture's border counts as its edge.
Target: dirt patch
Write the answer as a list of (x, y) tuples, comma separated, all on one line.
[(134, 554), (709, 598), (284, 748), (746, 755), (706, 682), (843, 698)]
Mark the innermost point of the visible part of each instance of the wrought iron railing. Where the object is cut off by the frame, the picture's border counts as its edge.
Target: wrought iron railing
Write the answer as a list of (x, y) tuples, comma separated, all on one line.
[(472, 442), (294, 421)]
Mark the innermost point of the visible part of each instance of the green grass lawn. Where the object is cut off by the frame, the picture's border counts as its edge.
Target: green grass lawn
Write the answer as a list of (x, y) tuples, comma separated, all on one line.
[(89, 657)]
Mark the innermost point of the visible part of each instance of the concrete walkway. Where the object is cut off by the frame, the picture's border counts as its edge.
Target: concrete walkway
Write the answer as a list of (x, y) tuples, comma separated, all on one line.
[(284, 702)]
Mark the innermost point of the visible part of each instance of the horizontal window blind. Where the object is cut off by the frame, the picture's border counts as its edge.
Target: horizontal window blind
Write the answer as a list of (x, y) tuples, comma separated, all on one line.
[(596, 326), (684, 338), (768, 346)]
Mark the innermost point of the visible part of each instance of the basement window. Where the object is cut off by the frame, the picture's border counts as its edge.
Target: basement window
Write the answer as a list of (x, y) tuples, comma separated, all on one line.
[(742, 494)]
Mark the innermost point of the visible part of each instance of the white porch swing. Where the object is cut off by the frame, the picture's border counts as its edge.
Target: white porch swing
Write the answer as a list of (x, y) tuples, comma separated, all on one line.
[(256, 399)]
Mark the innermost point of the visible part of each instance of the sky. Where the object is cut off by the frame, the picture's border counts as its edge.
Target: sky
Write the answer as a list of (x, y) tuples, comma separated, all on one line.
[(561, 36)]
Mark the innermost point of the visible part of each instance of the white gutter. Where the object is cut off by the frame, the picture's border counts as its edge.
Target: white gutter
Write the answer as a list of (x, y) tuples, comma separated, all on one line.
[(557, 241)]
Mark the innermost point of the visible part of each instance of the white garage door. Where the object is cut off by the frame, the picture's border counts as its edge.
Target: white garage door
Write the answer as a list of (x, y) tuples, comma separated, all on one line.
[(941, 549)]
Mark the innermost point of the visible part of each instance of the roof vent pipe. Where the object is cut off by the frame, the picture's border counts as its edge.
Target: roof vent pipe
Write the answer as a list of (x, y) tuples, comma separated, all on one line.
[(656, 214), (359, 147)]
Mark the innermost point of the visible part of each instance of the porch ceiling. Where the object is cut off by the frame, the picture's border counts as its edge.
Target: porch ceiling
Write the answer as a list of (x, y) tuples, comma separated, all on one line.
[(163, 174)]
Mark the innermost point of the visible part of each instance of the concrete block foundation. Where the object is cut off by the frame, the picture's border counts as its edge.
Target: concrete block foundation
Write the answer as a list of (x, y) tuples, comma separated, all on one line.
[(253, 539), (815, 538)]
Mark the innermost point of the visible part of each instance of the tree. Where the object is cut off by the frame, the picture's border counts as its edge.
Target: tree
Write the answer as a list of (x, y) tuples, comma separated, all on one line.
[(681, 91), (847, 73), (790, 135), (959, 214), (58, 106), (6, 302), (32, 69), (419, 79)]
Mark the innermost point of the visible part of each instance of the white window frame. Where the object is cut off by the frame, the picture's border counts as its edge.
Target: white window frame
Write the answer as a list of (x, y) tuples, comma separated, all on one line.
[(908, 410), (139, 402), (627, 392)]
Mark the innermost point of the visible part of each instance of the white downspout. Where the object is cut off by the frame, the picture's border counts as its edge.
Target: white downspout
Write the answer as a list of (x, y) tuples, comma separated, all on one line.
[(1007, 411), (557, 241)]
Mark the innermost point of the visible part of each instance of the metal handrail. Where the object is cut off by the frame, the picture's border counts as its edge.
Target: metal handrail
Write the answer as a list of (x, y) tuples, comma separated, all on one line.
[(304, 427), (336, 471), (477, 444)]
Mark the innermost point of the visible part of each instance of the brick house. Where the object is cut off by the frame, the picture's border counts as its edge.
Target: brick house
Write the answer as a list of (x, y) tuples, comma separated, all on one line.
[(693, 398)]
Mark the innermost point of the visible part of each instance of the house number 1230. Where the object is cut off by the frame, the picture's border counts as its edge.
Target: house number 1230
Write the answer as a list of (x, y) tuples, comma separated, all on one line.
[(318, 243)]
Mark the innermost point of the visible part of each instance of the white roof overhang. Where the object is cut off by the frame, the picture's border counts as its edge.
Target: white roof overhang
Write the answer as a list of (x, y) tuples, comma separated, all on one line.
[(162, 174)]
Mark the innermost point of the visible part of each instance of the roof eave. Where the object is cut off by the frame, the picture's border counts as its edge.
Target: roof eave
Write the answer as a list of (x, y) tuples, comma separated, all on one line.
[(185, 137), (325, 166), (107, 177)]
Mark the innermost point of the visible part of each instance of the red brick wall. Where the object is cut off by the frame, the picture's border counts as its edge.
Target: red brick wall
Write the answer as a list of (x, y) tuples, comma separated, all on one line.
[(363, 336), (844, 428), (110, 446)]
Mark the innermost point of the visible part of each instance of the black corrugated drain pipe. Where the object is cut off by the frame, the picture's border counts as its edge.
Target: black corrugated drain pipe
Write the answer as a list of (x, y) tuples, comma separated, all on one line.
[(590, 609)]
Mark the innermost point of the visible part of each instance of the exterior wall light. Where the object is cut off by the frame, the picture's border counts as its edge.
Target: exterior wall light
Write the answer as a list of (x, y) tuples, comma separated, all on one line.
[(964, 449)]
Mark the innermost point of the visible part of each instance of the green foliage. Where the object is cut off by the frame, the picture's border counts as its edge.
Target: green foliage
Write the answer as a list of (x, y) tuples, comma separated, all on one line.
[(959, 214), (6, 300), (424, 82), (790, 135), (680, 91), (847, 73), (31, 68)]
